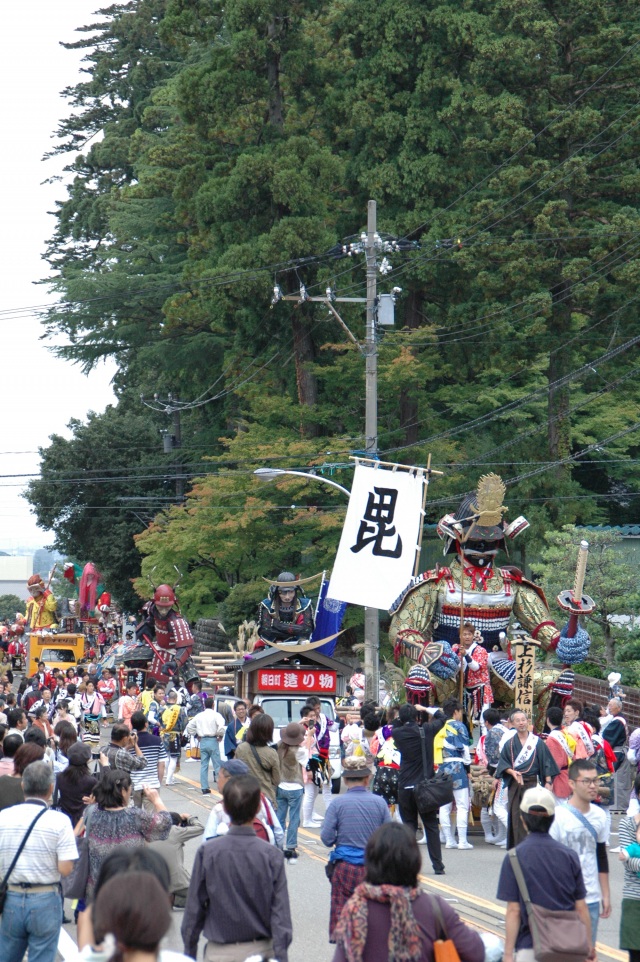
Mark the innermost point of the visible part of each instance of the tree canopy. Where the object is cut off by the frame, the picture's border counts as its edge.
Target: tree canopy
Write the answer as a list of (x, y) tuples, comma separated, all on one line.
[(240, 143)]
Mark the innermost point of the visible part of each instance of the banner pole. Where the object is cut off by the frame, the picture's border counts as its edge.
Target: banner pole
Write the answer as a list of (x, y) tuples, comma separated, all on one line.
[(427, 475)]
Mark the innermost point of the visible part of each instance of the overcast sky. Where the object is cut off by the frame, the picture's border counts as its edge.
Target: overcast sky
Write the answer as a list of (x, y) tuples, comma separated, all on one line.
[(41, 392)]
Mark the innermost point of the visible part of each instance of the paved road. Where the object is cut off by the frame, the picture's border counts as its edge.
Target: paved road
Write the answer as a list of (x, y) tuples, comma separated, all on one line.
[(470, 883)]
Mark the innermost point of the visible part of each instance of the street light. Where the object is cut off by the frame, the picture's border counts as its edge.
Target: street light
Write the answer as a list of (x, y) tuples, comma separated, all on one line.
[(270, 474), (371, 618)]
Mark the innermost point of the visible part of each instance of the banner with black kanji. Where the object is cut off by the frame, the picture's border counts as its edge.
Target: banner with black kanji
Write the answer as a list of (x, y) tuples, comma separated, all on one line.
[(380, 536)]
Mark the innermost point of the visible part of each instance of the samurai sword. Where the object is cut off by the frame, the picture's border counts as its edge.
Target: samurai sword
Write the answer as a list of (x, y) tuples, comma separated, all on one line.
[(575, 601)]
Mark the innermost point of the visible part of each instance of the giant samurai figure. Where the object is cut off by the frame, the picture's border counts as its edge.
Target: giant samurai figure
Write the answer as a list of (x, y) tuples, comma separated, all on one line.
[(167, 634), (426, 617), (286, 615)]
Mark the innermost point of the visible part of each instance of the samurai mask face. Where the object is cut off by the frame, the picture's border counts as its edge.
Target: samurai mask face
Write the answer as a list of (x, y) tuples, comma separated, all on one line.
[(477, 531)]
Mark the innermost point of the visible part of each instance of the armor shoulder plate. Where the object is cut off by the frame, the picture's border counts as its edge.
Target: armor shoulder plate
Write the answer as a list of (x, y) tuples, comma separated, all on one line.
[(514, 574), (435, 575)]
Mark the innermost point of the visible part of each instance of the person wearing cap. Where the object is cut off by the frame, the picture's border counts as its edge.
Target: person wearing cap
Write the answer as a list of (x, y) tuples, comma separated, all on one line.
[(294, 751), (349, 824), (551, 871), (75, 783), (219, 821)]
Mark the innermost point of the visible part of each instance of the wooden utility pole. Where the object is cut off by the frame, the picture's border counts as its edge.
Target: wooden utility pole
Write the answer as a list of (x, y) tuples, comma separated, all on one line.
[(371, 617)]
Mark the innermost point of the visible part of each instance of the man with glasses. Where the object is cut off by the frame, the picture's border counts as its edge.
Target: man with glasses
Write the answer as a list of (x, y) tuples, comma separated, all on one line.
[(582, 826)]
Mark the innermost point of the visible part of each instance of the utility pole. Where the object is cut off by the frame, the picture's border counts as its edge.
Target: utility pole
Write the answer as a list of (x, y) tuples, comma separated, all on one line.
[(177, 443), (371, 616)]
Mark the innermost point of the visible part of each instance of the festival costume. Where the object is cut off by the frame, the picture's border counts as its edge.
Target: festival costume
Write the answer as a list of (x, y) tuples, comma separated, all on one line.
[(426, 618), (41, 611), (174, 722), (534, 762), (170, 640), (453, 742), (282, 623), (477, 682), (93, 710), (562, 747)]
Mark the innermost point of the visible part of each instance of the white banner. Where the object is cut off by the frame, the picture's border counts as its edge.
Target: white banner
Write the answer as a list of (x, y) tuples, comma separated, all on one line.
[(377, 548)]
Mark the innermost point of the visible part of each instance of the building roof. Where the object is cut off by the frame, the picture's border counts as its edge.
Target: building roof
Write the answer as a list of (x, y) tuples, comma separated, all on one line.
[(271, 656), (624, 530)]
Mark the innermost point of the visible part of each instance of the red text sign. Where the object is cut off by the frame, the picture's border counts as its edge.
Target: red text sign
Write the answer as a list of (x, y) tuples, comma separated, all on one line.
[(296, 679)]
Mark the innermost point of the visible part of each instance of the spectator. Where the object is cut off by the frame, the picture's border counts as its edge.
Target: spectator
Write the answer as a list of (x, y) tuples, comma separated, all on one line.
[(218, 822), (155, 753), (409, 743), (75, 783), (41, 721), (524, 760), (11, 785), (236, 729), (262, 760), (184, 828), (575, 729), (318, 775), (17, 719), (32, 916), (238, 893), (208, 726), (551, 871), (135, 910), (65, 736), (146, 696), (293, 753), (122, 861), (118, 753), (196, 700), (348, 826), (63, 714), (582, 827), (493, 817), (10, 745), (389, 917), (613, 728), (114, 824), (629, 835)]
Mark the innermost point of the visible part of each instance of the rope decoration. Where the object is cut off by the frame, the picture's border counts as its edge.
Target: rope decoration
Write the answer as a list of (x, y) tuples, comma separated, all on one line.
[(571, 651)]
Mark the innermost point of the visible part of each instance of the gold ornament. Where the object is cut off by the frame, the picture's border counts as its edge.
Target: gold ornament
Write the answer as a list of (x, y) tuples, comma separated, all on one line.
[(489, 495)]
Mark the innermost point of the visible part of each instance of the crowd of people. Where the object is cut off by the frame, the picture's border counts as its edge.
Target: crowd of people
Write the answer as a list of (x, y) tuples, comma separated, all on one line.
[(546, 797)]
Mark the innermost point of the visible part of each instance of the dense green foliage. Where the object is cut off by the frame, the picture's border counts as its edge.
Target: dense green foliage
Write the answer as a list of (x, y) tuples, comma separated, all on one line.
[(241, 137), (9, 606)]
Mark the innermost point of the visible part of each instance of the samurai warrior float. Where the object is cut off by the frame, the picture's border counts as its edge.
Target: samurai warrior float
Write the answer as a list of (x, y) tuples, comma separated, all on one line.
[(499, 602), (167, 637), (286, 615)]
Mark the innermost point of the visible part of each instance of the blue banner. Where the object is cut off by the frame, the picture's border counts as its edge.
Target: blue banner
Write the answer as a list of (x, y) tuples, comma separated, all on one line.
[(328, 620)]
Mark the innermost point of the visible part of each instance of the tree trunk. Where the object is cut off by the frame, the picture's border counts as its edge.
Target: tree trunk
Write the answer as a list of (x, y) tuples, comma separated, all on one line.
[(409, 404), (306, 381), (559, 427), (610, 645), (276, 100)]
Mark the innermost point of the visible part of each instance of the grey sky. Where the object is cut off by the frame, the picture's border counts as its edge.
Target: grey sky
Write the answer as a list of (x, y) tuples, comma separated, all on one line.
[(41, 393)]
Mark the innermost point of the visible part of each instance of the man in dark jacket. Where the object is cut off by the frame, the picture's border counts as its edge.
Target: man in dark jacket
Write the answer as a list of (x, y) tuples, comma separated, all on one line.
[(408, 741)]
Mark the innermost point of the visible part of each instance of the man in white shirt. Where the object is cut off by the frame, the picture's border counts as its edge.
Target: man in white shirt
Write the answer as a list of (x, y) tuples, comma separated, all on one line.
[(583, 827), (32, 915), (209, 727)]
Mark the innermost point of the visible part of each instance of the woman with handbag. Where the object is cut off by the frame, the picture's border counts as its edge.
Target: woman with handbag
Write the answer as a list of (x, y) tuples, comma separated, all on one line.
[(262, 760), (389, 918)]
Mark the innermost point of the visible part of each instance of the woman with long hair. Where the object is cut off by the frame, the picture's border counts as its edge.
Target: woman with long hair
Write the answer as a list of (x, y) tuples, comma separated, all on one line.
[(112, 823), (66, 736), (75, 782), (389, 918), (262, 760)]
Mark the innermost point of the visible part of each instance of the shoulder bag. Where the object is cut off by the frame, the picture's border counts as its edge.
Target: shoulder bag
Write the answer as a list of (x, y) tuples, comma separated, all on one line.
[(558, 936), (5, 880), (431, 793), (444, 948)]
